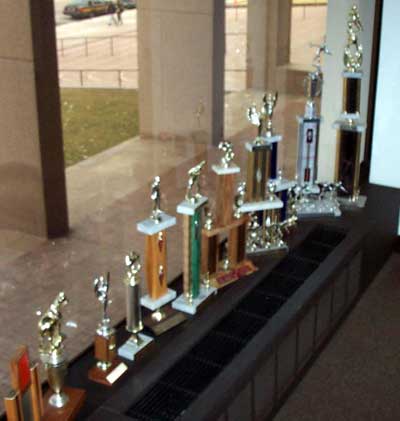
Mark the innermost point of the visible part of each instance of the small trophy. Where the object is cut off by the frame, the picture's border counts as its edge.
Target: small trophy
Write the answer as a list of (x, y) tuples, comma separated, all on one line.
[(163, 317), (25, 401), (137, 341), (60, 402), (108, 368), (192, 209), (229, 222), (349, 125)]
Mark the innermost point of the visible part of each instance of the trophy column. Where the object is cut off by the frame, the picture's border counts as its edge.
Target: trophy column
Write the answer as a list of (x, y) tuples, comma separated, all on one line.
[(349, 126), (134, 325)]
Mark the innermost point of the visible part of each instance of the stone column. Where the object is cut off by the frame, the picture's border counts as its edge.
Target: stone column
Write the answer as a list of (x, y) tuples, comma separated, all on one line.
[(268, 42), (32, 187), (331, 104), (181, 68)]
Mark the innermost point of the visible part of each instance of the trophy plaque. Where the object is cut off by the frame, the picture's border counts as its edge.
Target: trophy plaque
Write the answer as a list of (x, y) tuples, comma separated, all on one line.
[(155, 228), (349, 127), (25, 401), (60, 402), (195, 292), (108, 368), (134, 325), (230, 223)]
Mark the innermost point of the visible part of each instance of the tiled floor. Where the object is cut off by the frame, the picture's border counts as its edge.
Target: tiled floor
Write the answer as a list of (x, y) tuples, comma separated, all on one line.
[(108, 194)]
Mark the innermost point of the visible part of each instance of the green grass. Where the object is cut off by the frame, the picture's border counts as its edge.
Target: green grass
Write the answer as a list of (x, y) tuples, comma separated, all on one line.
[(97, 119)]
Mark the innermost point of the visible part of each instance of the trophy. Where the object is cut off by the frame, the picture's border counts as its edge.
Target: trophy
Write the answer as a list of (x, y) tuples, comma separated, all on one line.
[(349, 127), (134, 325), (60, 402), (25, 401), (194, 291), (163, 317), (229, 222), (108, 368)]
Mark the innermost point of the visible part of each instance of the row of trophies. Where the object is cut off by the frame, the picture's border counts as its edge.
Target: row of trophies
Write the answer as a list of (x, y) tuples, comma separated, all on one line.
[(251, 217)]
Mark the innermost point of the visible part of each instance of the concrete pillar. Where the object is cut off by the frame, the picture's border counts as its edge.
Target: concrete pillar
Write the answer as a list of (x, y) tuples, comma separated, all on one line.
[(331, 104), (268, 42), (32, 187), (181, 68)]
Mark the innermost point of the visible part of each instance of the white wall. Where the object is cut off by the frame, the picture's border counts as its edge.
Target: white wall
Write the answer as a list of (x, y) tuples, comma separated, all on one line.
[(333, 67), (385, 160)]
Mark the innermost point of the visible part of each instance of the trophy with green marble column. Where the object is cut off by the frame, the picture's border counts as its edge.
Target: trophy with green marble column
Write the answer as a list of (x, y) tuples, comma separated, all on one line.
[(192, 209)]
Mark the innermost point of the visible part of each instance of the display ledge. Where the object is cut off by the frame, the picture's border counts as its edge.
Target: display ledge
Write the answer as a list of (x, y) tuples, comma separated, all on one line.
[(214, 397)]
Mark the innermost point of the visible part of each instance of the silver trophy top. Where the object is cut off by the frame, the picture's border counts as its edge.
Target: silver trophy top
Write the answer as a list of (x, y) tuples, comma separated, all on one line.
[(353, 52), (156, 198), (193, 186), (101, 286), (132, 262), (51, 339)]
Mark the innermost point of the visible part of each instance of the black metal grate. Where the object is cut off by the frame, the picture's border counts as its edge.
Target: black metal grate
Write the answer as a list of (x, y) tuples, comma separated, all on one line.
[(184, 381)]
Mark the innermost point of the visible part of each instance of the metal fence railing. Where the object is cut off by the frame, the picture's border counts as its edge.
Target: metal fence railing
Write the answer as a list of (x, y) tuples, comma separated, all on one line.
[(86, 78)]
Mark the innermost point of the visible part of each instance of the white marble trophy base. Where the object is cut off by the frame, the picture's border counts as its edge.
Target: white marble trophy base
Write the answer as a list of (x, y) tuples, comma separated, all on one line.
[(282, 184), (261, 141), (189, 208), (258, 206), (351, 203), (313, 208), (150, 226), (130, 348), (182, 303), (153, 305), (221, 170), (269, 248), (345, 123)]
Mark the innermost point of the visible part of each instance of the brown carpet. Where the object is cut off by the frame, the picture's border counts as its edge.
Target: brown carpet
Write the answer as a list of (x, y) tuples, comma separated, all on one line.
[(357, 377)]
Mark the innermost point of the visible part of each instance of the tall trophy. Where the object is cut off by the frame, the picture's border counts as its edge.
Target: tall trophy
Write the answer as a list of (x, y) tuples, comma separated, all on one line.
[(222, 270), (60, 402), (134, 325), (349, 125), (195, 291), (25, 401), (155, 228), (108, 368), (261, 166)]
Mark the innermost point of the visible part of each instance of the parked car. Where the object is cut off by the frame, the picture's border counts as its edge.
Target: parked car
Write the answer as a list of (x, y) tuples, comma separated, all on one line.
[(129, 4), (78, 9)]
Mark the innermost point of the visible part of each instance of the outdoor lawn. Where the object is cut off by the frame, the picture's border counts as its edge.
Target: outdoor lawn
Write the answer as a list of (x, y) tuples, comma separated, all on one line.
[(97, 119)]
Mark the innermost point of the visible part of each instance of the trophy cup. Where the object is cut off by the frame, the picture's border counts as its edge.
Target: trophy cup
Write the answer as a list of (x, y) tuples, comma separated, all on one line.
[(108, 368), (60, 402), (192, 208), (25, 401), (162, 318), (349, 126), (229, 222), (137, 341)]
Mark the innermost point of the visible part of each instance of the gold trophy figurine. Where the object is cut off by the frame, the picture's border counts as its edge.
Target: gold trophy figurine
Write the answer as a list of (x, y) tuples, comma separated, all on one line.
[(353, 52), (269, 101), (61, 401), (156, 198), (193, 187), (134, 324)]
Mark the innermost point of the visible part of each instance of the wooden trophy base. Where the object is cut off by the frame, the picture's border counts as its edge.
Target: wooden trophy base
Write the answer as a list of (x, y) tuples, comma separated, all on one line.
[(171, 318), (69, 411), (223, 278), (110, 376)]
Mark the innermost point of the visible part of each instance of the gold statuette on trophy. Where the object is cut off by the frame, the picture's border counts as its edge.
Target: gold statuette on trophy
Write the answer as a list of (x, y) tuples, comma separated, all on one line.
[(108, 368), (155, 228), (25, 401), (60, 402)]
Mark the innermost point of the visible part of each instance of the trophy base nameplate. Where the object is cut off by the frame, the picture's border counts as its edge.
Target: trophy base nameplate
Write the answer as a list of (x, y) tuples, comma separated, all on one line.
[(224, 278), (263, 205), (183, 304), (130, 349), (314, 208), (71, 408), (110, 376), (353, 203), (164, 319), (276, 248), (152, 305)]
